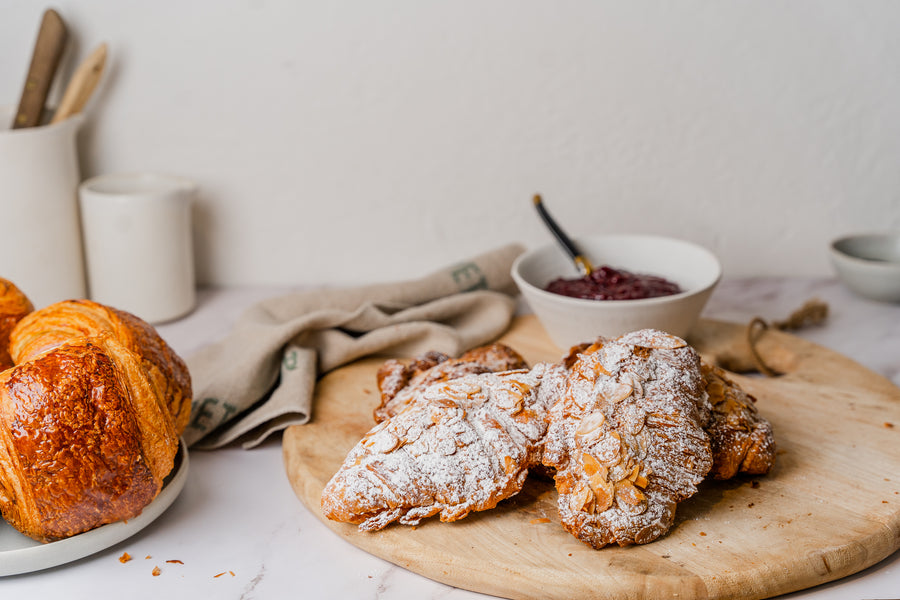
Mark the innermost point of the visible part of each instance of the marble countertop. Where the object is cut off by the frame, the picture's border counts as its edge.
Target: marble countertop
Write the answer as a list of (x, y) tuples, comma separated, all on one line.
[(238, 531)]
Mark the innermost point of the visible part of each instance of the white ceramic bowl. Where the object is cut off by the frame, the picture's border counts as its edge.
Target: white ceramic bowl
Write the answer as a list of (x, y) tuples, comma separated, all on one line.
[(869, 264), (570, 321)]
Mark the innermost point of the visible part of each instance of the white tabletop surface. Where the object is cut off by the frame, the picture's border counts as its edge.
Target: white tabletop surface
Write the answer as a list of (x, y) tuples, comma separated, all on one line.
[(239, 531)]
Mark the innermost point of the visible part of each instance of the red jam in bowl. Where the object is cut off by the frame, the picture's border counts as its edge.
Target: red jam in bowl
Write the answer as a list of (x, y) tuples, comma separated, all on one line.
[(606, 283)]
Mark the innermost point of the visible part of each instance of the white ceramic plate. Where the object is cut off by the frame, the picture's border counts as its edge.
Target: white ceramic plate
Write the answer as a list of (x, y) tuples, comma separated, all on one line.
[(21, 554)]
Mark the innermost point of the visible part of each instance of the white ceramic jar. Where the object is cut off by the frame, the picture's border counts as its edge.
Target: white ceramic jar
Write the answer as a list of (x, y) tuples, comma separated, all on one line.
[(138, 243)]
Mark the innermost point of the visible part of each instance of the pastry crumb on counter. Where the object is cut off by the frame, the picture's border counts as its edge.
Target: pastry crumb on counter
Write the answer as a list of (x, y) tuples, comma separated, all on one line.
[(155, 572), (124, 558)]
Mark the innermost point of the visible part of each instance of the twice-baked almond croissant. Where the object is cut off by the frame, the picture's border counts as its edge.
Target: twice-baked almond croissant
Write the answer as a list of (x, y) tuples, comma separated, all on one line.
[(458, 446), (89, 419), (626, 438), (628, 427)]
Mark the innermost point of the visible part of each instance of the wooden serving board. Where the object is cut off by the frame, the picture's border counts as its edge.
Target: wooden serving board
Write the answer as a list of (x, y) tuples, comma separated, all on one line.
[(829, 508)]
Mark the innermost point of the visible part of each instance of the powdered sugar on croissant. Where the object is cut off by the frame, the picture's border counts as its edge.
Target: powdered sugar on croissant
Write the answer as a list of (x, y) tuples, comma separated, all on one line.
[(626, 438), (459, 446), (399, 383), (629, 427)]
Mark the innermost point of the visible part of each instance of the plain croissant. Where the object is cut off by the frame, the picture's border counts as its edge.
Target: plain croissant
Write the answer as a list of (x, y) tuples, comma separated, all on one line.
[(13, 306), (90, 416)]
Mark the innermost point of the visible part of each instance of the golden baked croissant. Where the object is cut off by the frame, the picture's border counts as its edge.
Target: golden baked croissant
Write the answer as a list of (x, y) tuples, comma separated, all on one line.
[(740, 438), (89, 419), (13, 306), (72, 319)]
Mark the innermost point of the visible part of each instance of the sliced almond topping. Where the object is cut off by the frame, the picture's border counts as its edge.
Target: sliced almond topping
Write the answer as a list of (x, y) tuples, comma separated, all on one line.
[(620, 471), (629, 494), (665, 341), (511, 402), (593, 347), (589, 368), (618, 392), (383, 442), (599, 369), (581, 497), (592, 466), (564, 483), (632, 418), (521, 388), (447, 447), (638, 478), (634, 473), (608, 451), (604, 492), (640, 481), (462, 391), (575, 394), (591, 422), (638, 387), (444, 400)]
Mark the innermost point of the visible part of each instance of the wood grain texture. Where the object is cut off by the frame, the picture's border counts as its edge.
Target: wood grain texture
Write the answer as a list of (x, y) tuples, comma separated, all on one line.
[(829, 508), (48, 50), (82, 84)]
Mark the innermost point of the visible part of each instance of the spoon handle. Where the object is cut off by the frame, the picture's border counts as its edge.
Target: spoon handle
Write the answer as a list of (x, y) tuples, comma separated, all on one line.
[(581, 262), (82, 85)]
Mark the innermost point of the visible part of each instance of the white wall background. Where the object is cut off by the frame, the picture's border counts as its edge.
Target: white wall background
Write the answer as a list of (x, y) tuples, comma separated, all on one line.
[(344, 141)]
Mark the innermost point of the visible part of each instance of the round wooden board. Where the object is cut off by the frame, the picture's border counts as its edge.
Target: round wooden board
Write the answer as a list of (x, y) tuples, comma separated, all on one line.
[(829, 508)]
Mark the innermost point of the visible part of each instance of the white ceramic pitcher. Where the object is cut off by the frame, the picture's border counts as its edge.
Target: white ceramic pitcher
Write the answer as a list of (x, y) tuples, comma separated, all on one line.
[(40, 242)]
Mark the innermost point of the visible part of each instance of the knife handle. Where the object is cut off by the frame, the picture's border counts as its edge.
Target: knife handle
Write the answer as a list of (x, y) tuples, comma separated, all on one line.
[(48, 50), (82, 85)]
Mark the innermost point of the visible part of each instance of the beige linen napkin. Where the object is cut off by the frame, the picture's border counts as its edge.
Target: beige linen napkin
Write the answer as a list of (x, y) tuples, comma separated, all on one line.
[(260, 378)]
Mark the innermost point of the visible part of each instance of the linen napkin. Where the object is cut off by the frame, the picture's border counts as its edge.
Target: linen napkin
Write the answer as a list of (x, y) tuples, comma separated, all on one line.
[(260, 378)]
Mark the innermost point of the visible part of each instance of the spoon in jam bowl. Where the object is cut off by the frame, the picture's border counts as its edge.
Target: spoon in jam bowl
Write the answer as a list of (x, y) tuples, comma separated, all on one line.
[(581, 262), (604, 282)]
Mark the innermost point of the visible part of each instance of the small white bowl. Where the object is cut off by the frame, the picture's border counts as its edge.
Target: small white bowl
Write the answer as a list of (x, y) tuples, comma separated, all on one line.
[(571, 321), (869, 264)]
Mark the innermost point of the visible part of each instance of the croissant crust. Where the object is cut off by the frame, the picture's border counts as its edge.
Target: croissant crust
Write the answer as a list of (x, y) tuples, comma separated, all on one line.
[(90, 416), (13, 306)]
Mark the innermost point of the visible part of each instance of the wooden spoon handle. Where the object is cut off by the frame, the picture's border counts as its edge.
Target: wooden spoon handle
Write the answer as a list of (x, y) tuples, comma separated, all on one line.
[(82, 85), (44, 60)]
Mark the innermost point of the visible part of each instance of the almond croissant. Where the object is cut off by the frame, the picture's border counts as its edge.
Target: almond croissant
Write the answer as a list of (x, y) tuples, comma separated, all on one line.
[(458, 446), (89, 419)]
